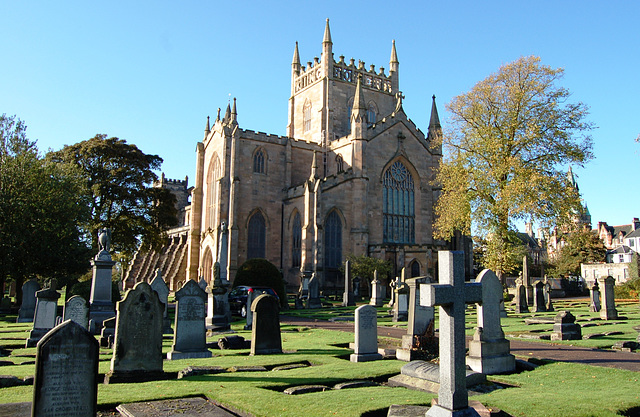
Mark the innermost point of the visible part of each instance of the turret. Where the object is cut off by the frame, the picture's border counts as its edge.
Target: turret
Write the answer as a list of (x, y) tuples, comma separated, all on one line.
[(358, 113), (394, 66), (207, 129), (234, 113), (435, 129), (327, 51)]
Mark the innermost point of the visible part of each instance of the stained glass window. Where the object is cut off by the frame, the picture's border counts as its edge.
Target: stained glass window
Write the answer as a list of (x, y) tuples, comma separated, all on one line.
[(256, 237), (258, 162), (296, 247), (398, 205), (333, 247)]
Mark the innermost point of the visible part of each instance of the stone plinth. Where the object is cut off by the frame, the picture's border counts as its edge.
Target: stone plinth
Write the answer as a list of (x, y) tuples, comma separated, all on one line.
[(101, 305), (565, 327)]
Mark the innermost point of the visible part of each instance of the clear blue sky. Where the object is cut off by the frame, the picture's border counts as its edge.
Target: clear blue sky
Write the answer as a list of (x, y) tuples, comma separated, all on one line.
[(151, 72)]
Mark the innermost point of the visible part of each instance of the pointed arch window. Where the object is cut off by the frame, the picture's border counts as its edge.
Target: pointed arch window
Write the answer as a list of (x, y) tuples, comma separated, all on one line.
[(296, 242), (258, 162), (415, 269), (306, 116), (256, 241), (333, 247), (339, 163), (398, 205), (212, 192), (372, 113)]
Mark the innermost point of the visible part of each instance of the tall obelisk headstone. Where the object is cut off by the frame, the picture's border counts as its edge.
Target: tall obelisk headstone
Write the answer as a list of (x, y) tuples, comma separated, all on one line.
[(101, 305), (347, 296)]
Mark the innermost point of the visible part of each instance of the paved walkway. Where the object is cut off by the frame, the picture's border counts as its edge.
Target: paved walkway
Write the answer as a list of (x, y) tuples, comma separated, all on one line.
[(520, 348)]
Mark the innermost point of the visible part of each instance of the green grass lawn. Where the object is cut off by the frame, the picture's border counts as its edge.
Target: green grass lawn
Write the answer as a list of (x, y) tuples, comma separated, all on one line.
[(554, 389)]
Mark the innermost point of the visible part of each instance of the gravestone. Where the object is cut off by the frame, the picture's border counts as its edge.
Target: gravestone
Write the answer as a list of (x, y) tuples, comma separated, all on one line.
[(425, 376), (366, 335), (45, 316), (565, 327), (489, 351), (548, 304), (108, 333), (608, 311), (526, 280), (265, 334), (451, 295), (376, 291), (314, 292), (76, 309), (161, 288), (347, 296), (401, 304), (538, 297), (202, 283), (65, 382), (420, 339), (28, 306), (12, 289), (521, 297), (137, 352), (218, 309), (223, 252), (189, 339), (101, 305), (393, 284), (594, 305)]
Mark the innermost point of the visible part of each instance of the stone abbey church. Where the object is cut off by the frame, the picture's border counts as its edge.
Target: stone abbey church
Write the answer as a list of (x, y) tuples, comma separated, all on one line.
[(353, 175)]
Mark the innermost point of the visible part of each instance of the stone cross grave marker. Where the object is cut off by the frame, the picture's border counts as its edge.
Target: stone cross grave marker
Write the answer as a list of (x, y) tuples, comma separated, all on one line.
[(265, 333), (347, 296), (76, 309), (160, 287), (45, 317), (366, 335), (376, 291), (65, 382), (451, 295), (608, 311), (137, 352), (189, 339), (489, 351), (28, 306)]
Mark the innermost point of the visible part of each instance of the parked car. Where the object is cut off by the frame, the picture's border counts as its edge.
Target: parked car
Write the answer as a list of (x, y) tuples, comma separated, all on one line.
[(238, 298)]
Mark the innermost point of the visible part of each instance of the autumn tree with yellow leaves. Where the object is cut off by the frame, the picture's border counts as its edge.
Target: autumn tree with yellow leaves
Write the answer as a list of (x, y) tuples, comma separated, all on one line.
[(509, 143)]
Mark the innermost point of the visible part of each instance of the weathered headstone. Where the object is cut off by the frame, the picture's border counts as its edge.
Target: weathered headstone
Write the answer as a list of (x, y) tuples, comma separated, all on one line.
[(65, 383), (376, 291), (347, 296), (451, 295), (521, 297), (28, 306), (218, 309), (101, 305), (366, 337), (420, 339), (45, 317), (202, 283), (161, 288), (189, 339), (526, 280), (608, 311), (548, 304), (265, 333), (594, 306), (565, 327), (401, 304), (76, 309), (489, 351), (538, 297), (314, 292), (137, 352), (108, 332)]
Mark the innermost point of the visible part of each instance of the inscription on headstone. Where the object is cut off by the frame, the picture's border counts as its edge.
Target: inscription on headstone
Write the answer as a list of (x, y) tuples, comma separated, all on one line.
[(190, 332), (76, 309), (366, 335)]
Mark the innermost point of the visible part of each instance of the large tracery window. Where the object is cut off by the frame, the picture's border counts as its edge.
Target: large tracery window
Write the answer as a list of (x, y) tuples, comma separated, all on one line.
[(296, 247), (256, 237), (333, 247), (212, 192), (398, 205)]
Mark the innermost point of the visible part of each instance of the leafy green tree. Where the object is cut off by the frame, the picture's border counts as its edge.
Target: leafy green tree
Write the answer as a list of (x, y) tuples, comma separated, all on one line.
[(40, 208), (580, 246), (363, 266), (507, 253), (118, 184), (510, 137)]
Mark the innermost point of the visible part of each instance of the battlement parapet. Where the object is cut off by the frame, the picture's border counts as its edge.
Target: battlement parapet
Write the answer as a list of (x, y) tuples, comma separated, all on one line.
[(370, 79)]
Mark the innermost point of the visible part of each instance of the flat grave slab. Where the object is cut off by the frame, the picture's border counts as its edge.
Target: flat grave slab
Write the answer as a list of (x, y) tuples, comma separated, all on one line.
[(185, 407)]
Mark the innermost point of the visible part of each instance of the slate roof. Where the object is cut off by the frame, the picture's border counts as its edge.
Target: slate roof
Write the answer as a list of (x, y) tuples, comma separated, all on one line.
[(620, 250), (635, 233)]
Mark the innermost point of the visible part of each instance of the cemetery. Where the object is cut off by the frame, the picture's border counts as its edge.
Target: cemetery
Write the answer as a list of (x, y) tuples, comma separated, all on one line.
[(287, 364)]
